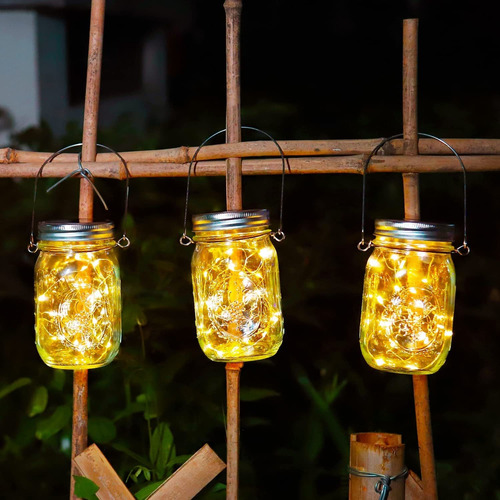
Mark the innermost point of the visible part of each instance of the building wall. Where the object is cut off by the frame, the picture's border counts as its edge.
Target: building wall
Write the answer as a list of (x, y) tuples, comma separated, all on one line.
[(19, 92), (35, 85), (52, 73)]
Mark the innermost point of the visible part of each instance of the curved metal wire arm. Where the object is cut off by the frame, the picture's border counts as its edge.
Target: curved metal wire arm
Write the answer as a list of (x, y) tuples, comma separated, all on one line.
[(278, 235), (86, 174), (363, 246)]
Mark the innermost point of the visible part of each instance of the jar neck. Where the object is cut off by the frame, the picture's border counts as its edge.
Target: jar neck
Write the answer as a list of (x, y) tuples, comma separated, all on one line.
[(76, 246), (231, 234), (418, 245)]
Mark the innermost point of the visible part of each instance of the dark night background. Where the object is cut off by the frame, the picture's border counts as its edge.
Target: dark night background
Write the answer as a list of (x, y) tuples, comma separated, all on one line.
[(315, 70)]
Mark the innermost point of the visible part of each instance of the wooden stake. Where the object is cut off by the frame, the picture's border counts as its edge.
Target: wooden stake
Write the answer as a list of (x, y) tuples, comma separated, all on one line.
[(379, 453), (233, 371), (233, 202), (80, 377), (412, 212), (233, 104)]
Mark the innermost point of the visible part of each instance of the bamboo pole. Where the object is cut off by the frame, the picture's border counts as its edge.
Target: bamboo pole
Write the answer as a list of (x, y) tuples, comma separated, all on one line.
[(298, 166), (233, 104), (412, 212), (234, 202), (183, 154), (379, 453), (89, 139)]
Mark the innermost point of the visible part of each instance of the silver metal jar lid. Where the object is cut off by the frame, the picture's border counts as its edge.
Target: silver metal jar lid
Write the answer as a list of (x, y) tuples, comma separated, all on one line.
[(61, 230), (234, 219), (414, 230)]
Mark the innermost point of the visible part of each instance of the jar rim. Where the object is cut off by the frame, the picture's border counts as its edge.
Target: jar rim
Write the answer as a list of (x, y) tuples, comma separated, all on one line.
[(230, 219), (415, 230), (63, 230)]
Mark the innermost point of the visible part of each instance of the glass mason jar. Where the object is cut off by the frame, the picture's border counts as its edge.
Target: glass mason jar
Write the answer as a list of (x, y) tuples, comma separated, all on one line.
[(408, 297), (77, 295), (236, 286)]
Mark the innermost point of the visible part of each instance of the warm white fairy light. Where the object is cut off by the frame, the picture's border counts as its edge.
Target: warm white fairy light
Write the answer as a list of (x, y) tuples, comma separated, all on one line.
[(237, 299), (407, 312), (78, 309)]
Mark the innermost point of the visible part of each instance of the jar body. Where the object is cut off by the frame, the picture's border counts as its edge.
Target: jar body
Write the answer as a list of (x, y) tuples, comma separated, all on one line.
[(237, 295), (408, 305), (77, 304)]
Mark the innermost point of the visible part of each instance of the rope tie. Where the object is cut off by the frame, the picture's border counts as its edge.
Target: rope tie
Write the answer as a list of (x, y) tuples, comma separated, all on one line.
[(383, 485)]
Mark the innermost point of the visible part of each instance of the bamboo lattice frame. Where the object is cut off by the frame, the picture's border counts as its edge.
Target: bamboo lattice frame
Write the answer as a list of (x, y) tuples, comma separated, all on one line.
[(408, 156)]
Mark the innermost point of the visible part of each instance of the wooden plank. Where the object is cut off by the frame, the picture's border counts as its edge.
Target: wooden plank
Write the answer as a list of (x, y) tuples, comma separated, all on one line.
[(413, 487), (192, 477), (93, 465)]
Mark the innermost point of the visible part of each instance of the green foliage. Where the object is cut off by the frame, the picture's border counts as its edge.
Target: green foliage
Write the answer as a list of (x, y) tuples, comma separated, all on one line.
[(101, 429), (161, 399), (85, 488), (17, 384), (256, 393), (39, 401), (47, 427)]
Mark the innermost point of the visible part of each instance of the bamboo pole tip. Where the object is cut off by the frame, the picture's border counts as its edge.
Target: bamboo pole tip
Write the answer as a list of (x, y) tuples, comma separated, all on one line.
[(377, 438), (233, 4)]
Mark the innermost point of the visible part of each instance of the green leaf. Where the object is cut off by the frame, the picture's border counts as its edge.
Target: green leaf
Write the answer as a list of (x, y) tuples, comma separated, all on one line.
[(132, 315), (137, 471), (17, 384), (85, 488), (53, 424), (58, 380), (178, 460), (38, 401), (254, 421), (162, 448), (132, 408), (337, 433), (256, 394), (101, 429), (138, 458), (145, 492)]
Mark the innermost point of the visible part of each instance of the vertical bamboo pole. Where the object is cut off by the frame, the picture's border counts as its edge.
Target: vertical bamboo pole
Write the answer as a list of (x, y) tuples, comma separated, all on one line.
[(412, 212), (89, 139), (233, 202), (233, 101)]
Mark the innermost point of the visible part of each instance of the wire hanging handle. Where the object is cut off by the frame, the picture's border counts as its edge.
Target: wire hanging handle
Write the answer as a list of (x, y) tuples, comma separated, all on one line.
[(363, 246), (86, 174), (278, 235)]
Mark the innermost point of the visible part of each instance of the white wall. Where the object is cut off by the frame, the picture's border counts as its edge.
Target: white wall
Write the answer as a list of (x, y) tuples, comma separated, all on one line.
[(19, 92), (53, 76)]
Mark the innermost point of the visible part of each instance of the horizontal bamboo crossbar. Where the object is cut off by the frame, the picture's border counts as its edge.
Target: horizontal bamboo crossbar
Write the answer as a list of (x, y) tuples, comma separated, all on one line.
[(184, 154), (298, 165)]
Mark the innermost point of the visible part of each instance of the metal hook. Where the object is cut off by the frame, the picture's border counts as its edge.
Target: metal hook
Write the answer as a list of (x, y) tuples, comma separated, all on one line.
[(464, 249), (86, 174), (279, 235)]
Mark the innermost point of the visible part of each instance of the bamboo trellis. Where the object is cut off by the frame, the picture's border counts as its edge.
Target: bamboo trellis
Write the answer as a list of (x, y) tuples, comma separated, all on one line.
[(408, 156)]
